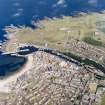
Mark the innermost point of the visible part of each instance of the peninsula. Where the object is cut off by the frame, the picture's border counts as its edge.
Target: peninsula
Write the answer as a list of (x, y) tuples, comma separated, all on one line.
[(67, 62)]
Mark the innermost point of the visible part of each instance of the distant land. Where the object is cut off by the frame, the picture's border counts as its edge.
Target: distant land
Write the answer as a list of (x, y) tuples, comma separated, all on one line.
[(23, 12)]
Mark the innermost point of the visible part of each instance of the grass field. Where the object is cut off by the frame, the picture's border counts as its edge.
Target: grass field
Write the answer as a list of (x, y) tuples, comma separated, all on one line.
[(103, 100), (56, 32), (60, 30)]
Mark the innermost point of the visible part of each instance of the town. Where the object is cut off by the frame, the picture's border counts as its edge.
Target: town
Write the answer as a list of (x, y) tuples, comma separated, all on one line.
[(53, 80)]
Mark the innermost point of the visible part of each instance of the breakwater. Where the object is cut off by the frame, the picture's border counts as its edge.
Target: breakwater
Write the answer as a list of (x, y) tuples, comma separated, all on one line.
[(66, 56)]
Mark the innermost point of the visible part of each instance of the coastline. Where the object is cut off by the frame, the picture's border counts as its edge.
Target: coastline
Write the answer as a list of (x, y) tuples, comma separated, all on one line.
[(7, 81), (14, 41)]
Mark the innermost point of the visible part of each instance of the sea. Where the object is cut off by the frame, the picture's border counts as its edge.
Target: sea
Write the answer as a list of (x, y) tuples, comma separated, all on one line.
[(23, 12)]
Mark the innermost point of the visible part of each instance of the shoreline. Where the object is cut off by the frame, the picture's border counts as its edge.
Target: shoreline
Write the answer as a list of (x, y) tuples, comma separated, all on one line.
[(5, 82), (12, 39)]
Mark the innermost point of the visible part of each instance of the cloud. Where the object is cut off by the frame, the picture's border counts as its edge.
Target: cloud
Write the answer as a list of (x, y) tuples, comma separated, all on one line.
[(17, 14), (20, 9), (60, 2), (93, 2), (16, 4)]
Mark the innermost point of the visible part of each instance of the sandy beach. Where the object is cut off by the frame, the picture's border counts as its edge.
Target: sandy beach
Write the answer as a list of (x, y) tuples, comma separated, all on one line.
[(4, 84)]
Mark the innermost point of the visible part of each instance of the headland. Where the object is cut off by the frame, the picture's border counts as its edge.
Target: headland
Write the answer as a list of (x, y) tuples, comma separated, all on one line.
[(69, 64)]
